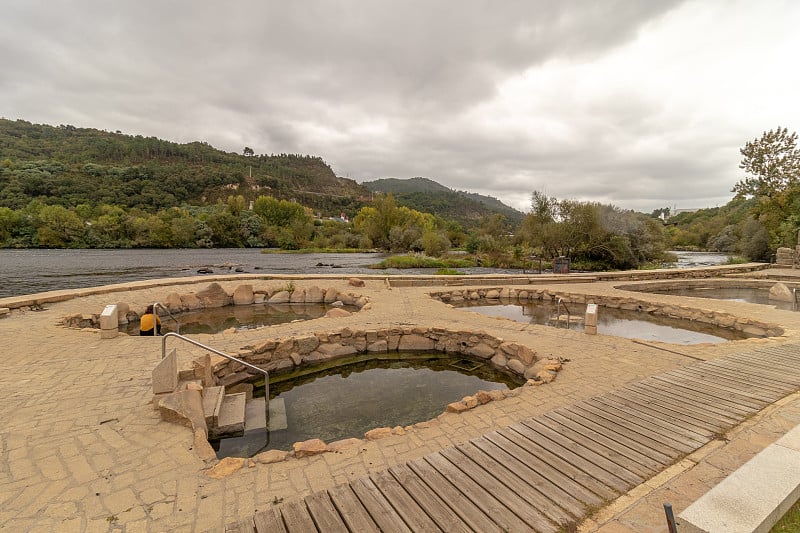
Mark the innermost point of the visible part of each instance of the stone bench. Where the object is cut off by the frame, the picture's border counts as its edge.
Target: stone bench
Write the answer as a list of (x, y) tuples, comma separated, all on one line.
[(754, 497)]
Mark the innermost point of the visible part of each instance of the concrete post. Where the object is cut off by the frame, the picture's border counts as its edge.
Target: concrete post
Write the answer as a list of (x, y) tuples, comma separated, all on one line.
[(590, 320)]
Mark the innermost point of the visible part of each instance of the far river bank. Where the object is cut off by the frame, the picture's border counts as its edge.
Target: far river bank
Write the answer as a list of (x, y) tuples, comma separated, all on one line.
[(29, 271)]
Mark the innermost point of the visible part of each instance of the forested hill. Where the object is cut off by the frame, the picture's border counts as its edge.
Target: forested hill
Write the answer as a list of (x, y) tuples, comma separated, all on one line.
[(71, 166), (424, 194)]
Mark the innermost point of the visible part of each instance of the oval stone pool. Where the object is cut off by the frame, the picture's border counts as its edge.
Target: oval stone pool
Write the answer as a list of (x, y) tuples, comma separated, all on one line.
[(240, 317), (735, 294), (610, 321), (348, 397)]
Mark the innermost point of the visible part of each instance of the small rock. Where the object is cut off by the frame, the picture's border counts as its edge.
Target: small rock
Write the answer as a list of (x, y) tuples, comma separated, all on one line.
[(483, 397), (344, 444), (226, 467), (470, 401), (378, 433), (355, 282), (456, 407), (546, 376), (271, 456), (398, 430), (309, 447)]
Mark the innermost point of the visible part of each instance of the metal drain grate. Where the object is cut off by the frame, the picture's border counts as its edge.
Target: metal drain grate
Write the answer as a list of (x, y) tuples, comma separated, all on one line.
[(466, 365)]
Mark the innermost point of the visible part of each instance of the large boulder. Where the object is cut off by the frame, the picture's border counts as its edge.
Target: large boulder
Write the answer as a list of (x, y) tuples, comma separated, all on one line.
[(214, 296), (781, 293), (314, 295), (280, 297), (243, 295)]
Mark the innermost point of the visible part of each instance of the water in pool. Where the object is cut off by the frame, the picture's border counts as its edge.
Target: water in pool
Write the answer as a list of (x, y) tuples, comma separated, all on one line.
[(240, 317), (617, 322), (368, 392), (735, 294)]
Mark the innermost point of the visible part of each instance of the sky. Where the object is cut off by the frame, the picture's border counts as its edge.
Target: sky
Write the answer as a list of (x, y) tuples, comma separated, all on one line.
[(639, 104)]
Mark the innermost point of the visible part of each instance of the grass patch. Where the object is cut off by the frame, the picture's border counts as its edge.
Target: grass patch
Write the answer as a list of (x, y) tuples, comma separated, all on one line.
[(448, 272), (422, 261), (790, 523)]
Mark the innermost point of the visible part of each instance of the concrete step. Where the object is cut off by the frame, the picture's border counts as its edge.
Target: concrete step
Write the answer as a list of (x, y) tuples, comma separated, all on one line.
[(231, 416), (255, 416), (212, 403), (277, 415)]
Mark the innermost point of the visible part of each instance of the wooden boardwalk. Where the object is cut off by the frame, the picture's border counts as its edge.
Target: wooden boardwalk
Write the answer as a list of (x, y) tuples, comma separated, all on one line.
[(549, 471)]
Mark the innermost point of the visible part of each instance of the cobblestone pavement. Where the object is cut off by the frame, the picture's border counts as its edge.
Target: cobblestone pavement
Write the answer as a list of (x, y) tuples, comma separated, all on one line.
[(82, 448)]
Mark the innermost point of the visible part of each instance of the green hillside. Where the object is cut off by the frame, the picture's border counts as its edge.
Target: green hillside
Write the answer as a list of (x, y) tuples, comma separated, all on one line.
[(71, 166), (422, 194)]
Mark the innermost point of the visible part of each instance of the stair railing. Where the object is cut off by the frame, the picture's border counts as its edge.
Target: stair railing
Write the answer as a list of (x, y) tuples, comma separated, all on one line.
[(156, 307), (221, 354), (795, 291), (559, 303)]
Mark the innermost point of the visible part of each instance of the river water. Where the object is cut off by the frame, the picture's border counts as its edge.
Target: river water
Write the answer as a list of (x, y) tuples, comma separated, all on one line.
[(32, 270)]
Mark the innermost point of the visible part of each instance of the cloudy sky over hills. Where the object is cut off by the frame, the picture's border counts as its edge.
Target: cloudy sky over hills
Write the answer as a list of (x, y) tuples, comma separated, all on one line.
[(639, 104)]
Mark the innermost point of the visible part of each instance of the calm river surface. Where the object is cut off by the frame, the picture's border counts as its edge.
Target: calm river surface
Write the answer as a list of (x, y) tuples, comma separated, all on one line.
[(32, 270)]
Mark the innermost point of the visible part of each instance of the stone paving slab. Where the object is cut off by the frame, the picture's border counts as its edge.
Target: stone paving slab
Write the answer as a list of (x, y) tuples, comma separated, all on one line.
[(82, 449)]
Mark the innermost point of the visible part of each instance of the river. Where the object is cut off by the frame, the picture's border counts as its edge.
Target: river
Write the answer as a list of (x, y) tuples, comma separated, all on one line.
[(30, 271)]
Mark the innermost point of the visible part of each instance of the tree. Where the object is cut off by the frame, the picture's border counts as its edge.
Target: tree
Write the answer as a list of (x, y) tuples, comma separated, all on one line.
[(773, 181), (248, 151), (772, 162)]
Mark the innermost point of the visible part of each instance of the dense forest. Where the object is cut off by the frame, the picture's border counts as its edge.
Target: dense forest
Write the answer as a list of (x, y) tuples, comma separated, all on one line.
[(74, 187)]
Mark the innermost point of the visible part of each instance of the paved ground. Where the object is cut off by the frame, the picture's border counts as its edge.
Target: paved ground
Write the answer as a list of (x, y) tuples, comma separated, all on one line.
[(81, 448)]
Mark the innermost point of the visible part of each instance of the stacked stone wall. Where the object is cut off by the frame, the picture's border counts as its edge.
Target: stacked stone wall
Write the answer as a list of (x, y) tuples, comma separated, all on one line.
[(746, 325), (276, 354)]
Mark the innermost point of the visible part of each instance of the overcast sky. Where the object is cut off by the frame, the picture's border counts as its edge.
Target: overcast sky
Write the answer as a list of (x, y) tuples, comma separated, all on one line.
[(642, 104)]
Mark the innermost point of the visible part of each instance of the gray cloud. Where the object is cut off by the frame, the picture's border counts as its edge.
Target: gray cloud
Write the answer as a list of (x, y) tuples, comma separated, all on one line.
[(501, 99)]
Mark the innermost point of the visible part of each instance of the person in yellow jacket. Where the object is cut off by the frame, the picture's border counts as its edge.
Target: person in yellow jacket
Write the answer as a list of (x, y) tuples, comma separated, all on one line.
[(148, 320)]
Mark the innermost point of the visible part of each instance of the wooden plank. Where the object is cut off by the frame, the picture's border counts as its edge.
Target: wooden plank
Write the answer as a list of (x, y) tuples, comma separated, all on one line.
[(510, 479), (412, 514), (296, 518), (742, 405), (713, 421), (324, 513), (783, 378), (491, 485), (489, 503), (608, 473), (243, 526), (667, 445), (691, 381), (656, 418), (473, 512), (642, 444), (569, 470), (750, 377), (585, 449), (354, 514), (685, 420), (684, 398), (378, 508), (638, 463), (694, 394), (677, 441), (446, 518), (738, 388), (269, 521), (547, 487)]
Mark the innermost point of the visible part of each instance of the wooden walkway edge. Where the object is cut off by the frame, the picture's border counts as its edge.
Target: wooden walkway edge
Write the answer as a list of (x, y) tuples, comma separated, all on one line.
[(549, 471)]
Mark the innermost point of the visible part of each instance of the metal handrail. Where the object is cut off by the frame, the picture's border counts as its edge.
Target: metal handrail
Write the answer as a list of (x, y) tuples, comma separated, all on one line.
[(156, 307), (226, 356), (559, 303), (794, 299)]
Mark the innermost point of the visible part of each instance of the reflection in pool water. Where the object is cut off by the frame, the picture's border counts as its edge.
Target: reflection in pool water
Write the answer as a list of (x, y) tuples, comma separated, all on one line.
[(240, 317), (736, 294), (368, 392), (617, 322)]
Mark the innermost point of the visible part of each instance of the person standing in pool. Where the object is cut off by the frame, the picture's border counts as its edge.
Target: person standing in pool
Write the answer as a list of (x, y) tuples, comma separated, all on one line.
[(150, 323)]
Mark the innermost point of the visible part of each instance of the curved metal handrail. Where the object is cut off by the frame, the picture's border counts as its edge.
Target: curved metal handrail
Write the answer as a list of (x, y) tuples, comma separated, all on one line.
[(226, 356), (558, 313), (156, 307)]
